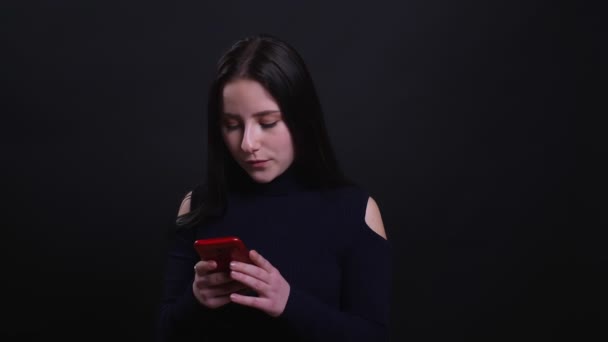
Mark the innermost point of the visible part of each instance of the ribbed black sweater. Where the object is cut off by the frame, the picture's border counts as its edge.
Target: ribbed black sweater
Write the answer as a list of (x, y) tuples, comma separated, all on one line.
[(339, 269)]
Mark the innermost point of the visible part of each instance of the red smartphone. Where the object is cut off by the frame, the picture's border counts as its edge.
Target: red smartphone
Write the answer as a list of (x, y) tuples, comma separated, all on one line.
[(222, 250)]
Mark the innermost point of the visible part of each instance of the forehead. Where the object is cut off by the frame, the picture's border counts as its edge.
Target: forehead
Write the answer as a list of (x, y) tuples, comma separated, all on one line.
[(246, 97)]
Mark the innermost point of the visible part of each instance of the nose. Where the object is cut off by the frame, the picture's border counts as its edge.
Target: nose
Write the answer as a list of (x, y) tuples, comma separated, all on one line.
[(251, 139)]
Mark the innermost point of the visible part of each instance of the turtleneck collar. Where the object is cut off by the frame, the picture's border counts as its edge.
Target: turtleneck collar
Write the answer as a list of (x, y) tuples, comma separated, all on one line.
[(283, 184)]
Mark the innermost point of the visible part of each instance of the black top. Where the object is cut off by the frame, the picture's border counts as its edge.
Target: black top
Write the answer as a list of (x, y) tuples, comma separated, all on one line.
[(339, 269)]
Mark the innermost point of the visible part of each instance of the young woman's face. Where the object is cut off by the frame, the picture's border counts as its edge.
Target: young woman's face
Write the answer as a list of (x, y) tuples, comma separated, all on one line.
[(254, 131)]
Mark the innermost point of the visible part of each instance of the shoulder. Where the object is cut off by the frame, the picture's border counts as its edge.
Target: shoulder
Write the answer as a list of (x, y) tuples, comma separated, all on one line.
[(192, 199), (185, 205), (358, 200), (373, 217)]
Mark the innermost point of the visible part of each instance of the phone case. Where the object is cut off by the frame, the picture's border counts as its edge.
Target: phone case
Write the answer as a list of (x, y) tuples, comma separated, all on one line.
[(222, 250)]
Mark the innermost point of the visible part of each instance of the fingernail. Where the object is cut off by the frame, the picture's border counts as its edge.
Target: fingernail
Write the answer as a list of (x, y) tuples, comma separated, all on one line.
[(232, 264)]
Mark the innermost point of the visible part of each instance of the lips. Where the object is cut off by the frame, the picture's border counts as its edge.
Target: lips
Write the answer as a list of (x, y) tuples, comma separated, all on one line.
[(256, 162)]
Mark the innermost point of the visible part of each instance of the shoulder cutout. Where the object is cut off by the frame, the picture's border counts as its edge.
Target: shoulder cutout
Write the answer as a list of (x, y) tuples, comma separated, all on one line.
[(184, 208), (373, 218)]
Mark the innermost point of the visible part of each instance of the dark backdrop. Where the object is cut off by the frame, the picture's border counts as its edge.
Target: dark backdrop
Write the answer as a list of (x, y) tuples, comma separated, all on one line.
[(455, 116)]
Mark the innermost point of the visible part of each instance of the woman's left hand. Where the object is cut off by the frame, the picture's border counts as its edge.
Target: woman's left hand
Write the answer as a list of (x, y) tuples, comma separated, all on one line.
[(263, 278)]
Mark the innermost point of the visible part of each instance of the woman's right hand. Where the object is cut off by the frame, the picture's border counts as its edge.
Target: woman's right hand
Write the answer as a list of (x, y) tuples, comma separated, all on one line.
[(213, 289)]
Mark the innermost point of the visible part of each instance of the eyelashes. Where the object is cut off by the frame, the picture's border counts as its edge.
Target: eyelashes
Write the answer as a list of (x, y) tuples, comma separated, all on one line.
[(268, 125), (232, 127)]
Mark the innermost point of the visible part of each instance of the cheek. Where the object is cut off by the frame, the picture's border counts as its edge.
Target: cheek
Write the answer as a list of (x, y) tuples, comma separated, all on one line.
[(285, 144), (231, 141)]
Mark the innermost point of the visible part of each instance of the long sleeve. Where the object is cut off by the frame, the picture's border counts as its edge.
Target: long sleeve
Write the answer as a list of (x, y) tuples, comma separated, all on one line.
[(179, 309), (365, 304)]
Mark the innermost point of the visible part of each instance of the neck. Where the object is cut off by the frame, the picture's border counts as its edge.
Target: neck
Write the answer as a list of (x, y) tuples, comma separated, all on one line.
[(283, 184)]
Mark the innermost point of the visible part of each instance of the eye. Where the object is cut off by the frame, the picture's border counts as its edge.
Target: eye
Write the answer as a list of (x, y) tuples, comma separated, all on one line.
[(231, 125), (268, 125)]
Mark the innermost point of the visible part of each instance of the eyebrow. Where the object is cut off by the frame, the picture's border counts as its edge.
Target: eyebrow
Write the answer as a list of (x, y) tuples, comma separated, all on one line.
[(262, 113)]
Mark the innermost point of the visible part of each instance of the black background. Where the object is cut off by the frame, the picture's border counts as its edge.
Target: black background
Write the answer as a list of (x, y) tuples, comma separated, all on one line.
[(455, 115)]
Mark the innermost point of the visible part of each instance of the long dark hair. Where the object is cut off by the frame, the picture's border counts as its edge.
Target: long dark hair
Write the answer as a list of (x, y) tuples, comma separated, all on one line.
[(280, 69)]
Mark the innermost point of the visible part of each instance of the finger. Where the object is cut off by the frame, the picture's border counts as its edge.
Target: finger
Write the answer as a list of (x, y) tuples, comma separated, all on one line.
[(216, 302), (213, 279), (204, 266), (254, 302), (224, 290), (251, 282), (259, 260), (259, 269), (249, 269)]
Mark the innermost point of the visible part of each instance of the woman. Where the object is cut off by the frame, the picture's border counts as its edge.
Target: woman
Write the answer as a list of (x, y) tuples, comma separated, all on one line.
[(321, 262)]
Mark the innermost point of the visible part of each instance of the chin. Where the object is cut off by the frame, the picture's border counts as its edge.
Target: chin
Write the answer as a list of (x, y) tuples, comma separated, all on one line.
[(262, 177)]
